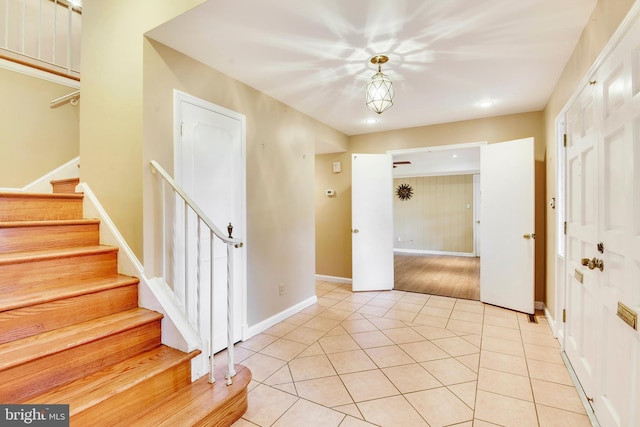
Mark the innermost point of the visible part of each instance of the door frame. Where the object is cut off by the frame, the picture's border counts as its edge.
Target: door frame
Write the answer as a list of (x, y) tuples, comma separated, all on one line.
[(558, 203), (476, 177), (178, 98)]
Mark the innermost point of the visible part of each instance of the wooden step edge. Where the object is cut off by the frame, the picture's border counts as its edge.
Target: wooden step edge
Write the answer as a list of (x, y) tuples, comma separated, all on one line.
[(201, 403), (53, 222), (18, 352), (98, 387), (30, 296), (50, 254), (19, 195), (64, 180)]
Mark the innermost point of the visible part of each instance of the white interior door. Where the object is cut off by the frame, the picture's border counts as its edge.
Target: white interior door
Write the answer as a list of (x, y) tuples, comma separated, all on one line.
[(507, 191), (210, 169), (372, 221)]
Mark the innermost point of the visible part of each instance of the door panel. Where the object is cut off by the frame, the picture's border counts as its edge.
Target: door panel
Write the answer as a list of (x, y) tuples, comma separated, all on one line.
[(581, 214), (372, 221), (507, 212), (210, 169)]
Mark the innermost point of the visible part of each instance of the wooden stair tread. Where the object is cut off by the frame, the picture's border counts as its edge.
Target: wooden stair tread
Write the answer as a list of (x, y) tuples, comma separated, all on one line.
[(15, 353), (64, 180), (58, 196), (40, 223), (51, 291), (189, 405), (100, 386), (48, 254)]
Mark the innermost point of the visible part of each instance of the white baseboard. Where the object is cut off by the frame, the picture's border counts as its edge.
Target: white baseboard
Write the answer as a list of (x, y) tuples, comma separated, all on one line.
[(425, 252), (250, 331), (552, 322), (334, 279)]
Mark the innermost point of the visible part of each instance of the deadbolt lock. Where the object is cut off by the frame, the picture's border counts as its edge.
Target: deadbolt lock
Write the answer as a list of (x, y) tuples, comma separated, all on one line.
[(593, 263)]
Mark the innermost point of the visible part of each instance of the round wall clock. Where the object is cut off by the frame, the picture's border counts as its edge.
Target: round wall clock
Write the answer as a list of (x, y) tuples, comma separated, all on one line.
[(404, 191)]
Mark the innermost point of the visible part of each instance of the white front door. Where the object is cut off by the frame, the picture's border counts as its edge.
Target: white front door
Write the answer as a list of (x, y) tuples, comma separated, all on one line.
[(507, 212), (210, 169), (372, 222), (603, 232)]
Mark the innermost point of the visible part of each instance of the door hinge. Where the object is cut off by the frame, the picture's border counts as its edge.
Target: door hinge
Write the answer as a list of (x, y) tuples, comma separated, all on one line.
[(564, 315), (565, 227), (565, 139), (181, 128)]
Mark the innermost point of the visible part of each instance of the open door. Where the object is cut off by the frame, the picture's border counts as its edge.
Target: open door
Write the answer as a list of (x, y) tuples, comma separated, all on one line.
[(372, 222), (507, 209)]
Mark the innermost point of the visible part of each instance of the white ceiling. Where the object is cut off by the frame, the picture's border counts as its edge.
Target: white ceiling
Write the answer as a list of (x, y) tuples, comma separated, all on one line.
[(445, 55), (459, 159)]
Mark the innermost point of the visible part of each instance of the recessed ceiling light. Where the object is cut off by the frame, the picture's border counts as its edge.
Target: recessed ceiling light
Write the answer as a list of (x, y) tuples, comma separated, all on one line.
[(453, 156), (371, 121), (486, 103)]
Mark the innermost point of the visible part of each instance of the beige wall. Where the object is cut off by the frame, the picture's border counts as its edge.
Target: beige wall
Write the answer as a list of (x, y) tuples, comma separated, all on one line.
[(605, 19), (280, 172), (333, 224), (35, 139), (333, 216), (111, 106), (439, 216)]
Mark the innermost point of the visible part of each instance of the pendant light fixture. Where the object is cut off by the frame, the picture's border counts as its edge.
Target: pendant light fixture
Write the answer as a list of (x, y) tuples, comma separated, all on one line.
[(379, 89)]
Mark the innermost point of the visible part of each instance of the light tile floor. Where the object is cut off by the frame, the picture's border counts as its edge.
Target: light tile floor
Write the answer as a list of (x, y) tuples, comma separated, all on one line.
[(402, 359)]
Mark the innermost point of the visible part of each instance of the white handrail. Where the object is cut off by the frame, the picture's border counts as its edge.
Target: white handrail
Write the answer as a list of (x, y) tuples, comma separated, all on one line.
[(231, 243), (193, 205), (72, 98)]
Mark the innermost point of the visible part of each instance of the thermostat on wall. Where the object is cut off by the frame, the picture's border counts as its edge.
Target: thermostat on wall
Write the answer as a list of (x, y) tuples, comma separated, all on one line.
[(336, 167)]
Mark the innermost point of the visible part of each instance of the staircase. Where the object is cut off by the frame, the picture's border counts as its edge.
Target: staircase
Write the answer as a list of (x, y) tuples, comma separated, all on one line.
[(71, 331)]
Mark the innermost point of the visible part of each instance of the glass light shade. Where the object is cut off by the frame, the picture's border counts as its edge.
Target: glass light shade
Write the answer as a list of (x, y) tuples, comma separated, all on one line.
[(379, 93)]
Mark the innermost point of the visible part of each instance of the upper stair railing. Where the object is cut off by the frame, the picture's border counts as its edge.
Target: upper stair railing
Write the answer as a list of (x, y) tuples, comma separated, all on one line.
[(43, 34), (182, 223)]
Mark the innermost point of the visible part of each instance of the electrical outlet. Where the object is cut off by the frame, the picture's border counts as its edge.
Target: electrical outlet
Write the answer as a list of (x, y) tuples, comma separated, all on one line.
[(281, 289)]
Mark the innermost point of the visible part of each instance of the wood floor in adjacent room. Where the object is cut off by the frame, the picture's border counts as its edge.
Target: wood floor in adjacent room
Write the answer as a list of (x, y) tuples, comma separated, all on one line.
[(445, 275)]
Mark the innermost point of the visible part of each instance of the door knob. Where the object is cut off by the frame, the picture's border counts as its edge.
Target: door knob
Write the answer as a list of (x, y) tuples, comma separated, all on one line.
[(593, 263), (356, 231), (526, 236)]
